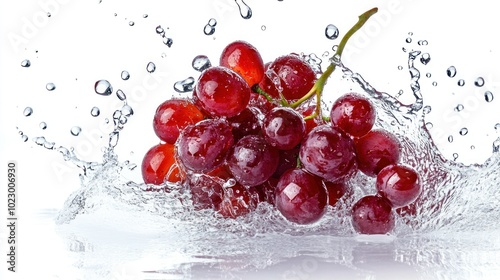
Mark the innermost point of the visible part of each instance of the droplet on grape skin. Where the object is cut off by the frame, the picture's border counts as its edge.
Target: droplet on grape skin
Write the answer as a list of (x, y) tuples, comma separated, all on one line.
[(50, 86), (125, 75), (425, 58), (201, 62), (185, 85), (463, 131), (94, 112), (103, 87), (75, 130), (151, 67), (331, 32), (479, 82), (121, 95), (451, 71), (488, 96), (27, 111), (461, 82), (25, 63), (245, 10)]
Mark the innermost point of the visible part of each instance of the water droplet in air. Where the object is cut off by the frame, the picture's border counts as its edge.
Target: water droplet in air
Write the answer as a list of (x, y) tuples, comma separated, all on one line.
[(479, 82), (27, 111), (208, 29), (43, 125), (497, 127), (400, 67), (245, 10), (434, 83), (50, 86), (145, 15), (461, 82), (427, 109), (160, 30), (168, 41), (103, 87), (331, 32), (422, 42), (121, 95), (94, 112), (49, 14), (26, 63), (131, 23), (451, 71), (488, 96), (125, 75), (455, 156), (408, 40), (75, 130), (184, 85), (263, 28), (428, 75), (201, 62), (463, 131), (151, 67), (429, 125), (450, 138), (425, 58), (212, 22), (24, 138), (459, 108), (472, 147)]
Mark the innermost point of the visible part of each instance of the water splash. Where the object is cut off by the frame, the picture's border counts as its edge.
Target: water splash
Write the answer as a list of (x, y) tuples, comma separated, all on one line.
[(103, 87), (245, 10)]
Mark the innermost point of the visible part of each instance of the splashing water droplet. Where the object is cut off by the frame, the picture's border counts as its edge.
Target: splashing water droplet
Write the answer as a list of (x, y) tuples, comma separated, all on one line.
[(315, 62), (429, 125), (428, 75), (479, 82), (459, 108), (160, 30), (427, 109), (131, 23), (461, 82), (184, 85), (425, 58), (331, 32), (463, 131), (400, 67), (434, 83), (121, 95), (125, 75), (212, 22), (94, 112), (26, 63), (43, 125), (49, 14), (201, 62), (208, 30), (50, 86), (245, 10), (127, 111), (28, 111), (450, 139), (24, 138), (497, 127), (168, 41), (472, 147), (151, 67), (455, 156), (263, 28), (408, 40), (423, 43), (451, 71), (488, 96), (103, 87), (145, 15), (75, 130)]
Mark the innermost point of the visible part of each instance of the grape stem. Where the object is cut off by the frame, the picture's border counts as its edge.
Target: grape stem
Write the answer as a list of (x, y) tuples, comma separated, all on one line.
[(318, 86)]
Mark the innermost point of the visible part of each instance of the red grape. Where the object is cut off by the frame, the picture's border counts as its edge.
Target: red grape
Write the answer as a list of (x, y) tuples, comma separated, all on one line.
[(354, 114), (328, 153), (399, 184), (283, 128), (172, 116), (236, 201), (289, 75), (266, 191), (301, 196), (306, 111), (288, 159), (373, 214), (336, 190), (252, 160), (222, 92), (245, 123), (206, 190), (159, 165), (245, 60), (375, 150), (204, 146)]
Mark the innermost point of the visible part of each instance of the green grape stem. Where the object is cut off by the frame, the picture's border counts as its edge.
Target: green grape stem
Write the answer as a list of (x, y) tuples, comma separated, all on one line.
[(318, 86)]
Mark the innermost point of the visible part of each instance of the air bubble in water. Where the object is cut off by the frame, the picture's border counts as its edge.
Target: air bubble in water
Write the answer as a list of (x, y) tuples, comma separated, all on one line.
[(103, 87), (50, 86), (331, 32), (75, 130), (184, 85), (425, 58), (245, 10), (451, 71), (459, 108), (151, 67), (488, 96), (461, 82), (27, 111), (463, 131), (26, 63), (125, 75), (121, 95), (201, 62), (94, 112), (479, 82), (43, 125)]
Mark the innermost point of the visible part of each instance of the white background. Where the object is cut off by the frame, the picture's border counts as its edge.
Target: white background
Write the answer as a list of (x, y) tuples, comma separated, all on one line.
[(83, 41)]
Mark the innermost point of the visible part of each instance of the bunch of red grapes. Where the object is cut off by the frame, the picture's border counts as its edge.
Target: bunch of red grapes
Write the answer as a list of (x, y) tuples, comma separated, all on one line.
[(238, 141)]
